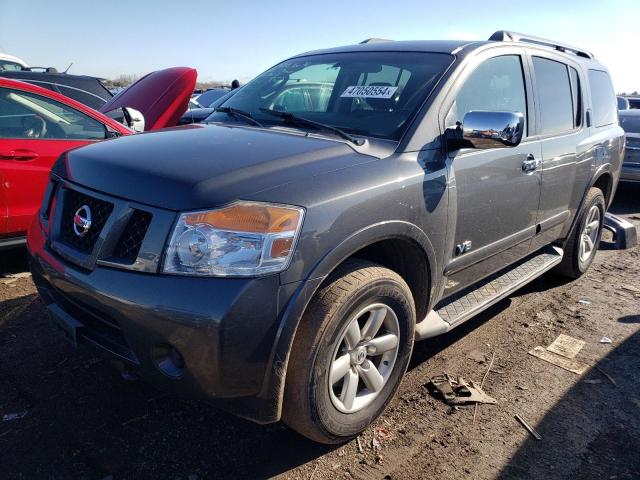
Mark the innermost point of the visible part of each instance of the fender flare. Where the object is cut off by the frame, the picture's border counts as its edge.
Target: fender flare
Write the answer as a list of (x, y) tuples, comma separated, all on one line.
[(604, 169), (275, 377)]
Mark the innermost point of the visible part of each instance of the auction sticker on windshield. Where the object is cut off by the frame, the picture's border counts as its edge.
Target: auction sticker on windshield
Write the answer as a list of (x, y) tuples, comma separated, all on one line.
[(372, 91)]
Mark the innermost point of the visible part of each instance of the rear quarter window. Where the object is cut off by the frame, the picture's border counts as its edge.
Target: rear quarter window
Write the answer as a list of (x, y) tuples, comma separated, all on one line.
[(603, 99)]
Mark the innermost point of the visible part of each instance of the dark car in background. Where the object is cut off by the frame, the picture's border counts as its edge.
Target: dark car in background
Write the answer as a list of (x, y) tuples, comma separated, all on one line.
[(206, 98), (630, 122), (623, 103), (634, 102), (200, 113), (85, 89), (281, 260)]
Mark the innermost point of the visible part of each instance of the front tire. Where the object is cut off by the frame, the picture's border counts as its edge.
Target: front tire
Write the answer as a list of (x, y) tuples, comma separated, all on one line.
[(351, 350), (582, 244)]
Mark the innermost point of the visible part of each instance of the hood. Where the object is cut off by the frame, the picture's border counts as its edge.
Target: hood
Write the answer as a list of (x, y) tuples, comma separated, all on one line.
[(202, 166), (162, 97)]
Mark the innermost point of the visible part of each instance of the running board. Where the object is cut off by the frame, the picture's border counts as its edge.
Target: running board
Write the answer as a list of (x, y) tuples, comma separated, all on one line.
[(463, 305)]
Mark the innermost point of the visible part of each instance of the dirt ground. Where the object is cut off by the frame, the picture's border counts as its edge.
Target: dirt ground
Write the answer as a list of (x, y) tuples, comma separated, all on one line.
[(84, 421)]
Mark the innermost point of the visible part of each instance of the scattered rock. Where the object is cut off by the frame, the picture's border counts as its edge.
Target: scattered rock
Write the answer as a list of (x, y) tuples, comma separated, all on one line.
[(545, 315), (630, 288), (477, 356)]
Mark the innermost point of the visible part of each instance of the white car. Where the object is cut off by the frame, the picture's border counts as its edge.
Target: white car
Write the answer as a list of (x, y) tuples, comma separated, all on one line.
[(9, 62)]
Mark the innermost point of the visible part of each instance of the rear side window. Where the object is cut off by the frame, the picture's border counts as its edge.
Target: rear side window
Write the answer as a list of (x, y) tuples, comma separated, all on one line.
[(603, 98), (555, 97), (496, 85)]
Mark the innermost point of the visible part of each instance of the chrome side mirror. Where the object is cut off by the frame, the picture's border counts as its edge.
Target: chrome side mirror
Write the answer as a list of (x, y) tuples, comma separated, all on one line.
[(484, 130)]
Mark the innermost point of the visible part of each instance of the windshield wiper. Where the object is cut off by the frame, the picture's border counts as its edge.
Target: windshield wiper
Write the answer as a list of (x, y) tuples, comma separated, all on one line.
[(234, 112), (290, 117)]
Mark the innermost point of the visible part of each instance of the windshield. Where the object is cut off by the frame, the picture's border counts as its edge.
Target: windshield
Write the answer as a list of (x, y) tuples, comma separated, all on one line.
[(372, 93)]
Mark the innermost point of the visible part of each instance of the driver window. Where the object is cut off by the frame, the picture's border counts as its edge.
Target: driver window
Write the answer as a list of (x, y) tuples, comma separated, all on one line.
[(30, 116), (496, 85)]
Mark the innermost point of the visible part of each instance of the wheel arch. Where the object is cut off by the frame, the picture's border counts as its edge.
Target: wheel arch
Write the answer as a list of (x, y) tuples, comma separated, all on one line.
[(394, 244), (604, 181)]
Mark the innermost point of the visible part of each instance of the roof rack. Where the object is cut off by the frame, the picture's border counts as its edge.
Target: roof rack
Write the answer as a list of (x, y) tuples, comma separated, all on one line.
[(507, 36), (375, 40)]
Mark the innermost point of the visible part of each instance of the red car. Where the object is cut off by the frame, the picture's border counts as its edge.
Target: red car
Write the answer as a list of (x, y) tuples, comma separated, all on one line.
[(37, 125)]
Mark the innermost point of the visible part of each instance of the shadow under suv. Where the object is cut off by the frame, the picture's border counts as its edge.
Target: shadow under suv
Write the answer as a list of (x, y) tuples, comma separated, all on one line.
[(281, 260)]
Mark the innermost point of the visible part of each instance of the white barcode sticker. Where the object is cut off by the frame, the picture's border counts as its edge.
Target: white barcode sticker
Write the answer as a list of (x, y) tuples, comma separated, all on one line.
[(371, 91)]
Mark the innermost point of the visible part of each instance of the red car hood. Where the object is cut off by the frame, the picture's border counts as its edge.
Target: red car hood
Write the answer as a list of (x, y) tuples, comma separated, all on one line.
[(162, 96)]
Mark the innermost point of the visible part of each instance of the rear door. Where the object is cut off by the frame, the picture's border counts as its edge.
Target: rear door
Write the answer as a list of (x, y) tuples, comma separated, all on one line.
[(566, 153), (497, 200), (34, 131)]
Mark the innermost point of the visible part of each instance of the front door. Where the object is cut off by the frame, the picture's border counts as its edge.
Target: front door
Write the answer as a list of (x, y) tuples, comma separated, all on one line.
[(34, 131), (497, 198)]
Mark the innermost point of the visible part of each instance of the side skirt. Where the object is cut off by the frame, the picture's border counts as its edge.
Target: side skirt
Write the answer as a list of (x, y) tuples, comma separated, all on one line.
[(460, 307)]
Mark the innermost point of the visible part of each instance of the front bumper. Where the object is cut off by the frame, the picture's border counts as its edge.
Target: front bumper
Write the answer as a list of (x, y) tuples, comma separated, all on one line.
[(223, 329)]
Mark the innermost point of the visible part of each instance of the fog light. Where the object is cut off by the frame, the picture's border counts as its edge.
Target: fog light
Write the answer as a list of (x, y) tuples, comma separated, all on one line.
[(168, 360)]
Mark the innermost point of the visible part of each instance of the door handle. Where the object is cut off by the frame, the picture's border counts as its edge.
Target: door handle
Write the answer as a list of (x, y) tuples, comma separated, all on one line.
[(20, 155), (531, 164)]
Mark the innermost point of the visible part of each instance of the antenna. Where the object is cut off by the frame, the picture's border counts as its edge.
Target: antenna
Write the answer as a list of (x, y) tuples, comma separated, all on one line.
[(68, 68)]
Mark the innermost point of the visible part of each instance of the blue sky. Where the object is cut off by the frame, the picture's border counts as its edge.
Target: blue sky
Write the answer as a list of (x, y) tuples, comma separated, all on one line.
[(226, 40)]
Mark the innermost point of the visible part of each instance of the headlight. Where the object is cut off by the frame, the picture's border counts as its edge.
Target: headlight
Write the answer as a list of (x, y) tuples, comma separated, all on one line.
[(243, 239)]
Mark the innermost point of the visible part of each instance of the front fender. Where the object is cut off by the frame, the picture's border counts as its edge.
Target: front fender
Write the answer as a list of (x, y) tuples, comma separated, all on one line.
[(302, 292)]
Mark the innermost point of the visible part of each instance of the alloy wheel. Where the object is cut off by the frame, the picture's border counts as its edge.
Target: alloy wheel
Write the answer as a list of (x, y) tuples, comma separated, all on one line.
[(364, 358), (589, 236)]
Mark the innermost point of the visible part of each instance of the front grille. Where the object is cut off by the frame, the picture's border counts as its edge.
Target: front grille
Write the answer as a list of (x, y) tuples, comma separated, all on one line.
[(131, 240), (100, 211)]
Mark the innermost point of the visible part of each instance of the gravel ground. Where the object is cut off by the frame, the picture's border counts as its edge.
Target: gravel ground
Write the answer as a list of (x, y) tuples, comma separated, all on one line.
[(81, 420)]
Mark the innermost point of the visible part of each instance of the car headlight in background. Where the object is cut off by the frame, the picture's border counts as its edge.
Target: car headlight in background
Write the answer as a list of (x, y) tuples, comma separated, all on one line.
[(243, 239)]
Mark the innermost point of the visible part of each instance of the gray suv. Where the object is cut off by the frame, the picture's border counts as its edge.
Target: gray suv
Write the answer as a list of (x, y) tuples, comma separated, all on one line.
[(281, 260)]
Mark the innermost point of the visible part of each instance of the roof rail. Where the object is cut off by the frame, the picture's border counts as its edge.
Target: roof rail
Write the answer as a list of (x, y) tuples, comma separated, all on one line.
[(375, 40), (507, 36)]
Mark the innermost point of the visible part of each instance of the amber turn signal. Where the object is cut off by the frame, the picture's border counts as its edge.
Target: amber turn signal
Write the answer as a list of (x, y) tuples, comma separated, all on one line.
[(252, 218)]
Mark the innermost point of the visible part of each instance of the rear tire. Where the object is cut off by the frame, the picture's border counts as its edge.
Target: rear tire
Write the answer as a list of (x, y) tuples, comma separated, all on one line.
[(582, 245), (338, 382)]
